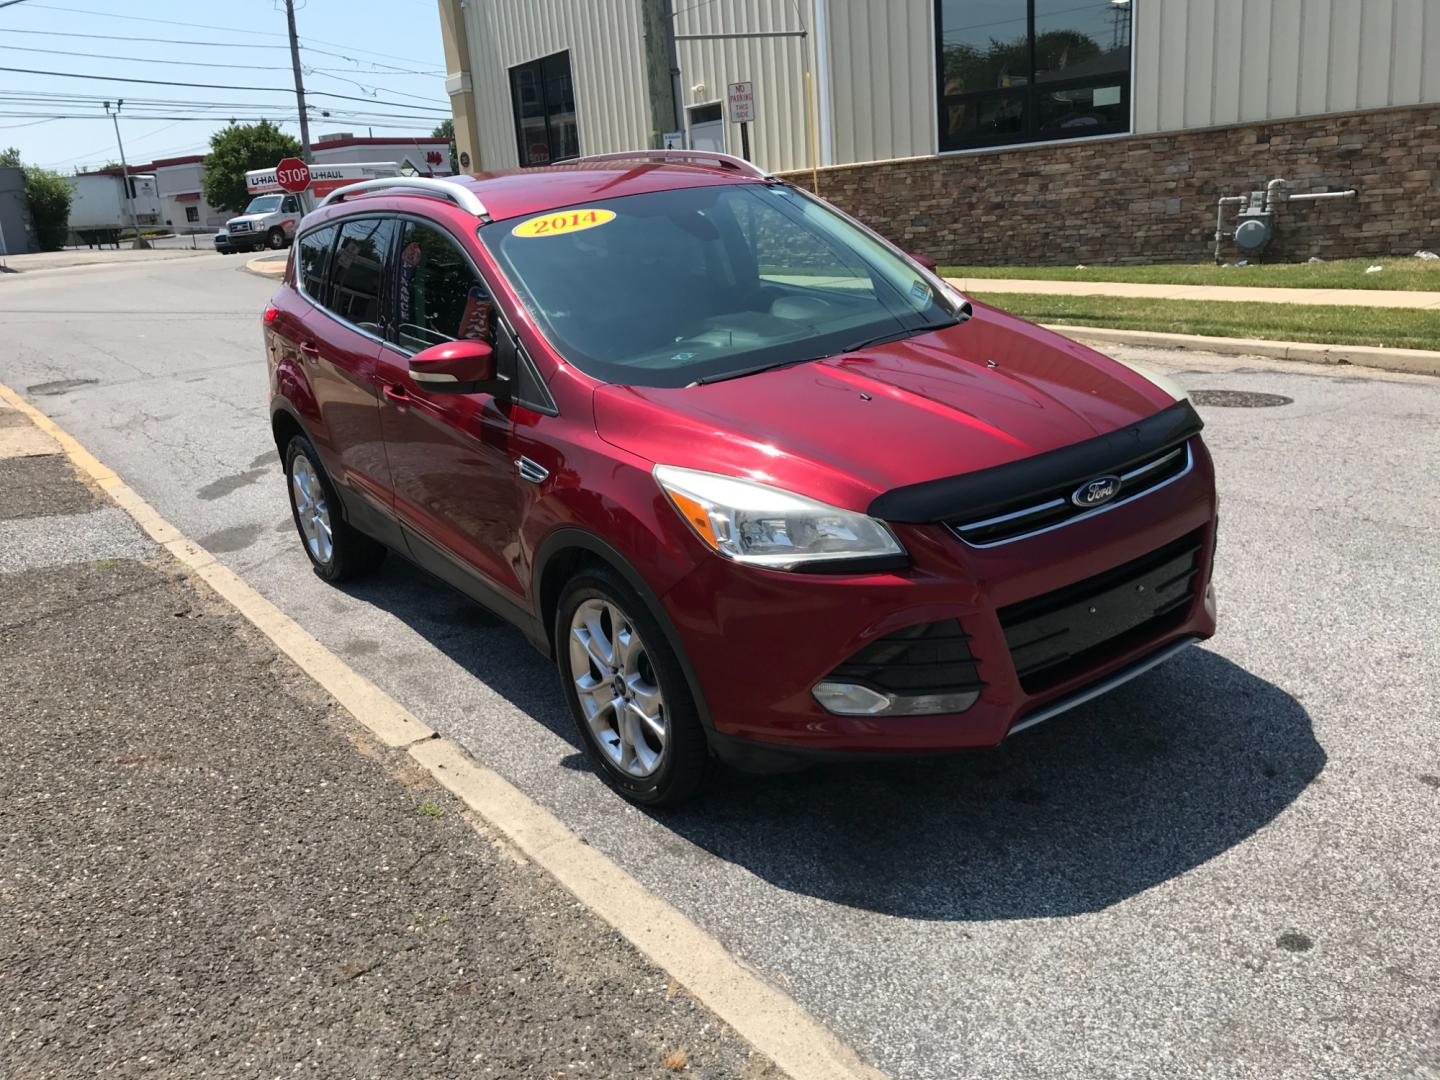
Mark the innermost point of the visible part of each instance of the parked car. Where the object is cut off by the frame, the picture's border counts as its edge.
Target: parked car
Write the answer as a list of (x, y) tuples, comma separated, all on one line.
[(766, 488), (268, 222), (222, 242)]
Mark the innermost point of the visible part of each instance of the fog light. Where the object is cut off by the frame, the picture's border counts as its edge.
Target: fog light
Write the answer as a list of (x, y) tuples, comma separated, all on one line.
[(852, 699), (847, 699)]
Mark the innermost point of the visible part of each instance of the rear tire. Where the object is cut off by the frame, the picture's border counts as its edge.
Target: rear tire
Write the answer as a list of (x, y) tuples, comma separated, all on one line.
[(336, 550), (627, 691)]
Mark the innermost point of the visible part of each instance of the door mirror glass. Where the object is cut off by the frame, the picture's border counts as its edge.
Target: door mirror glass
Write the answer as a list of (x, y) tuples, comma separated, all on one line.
[(457, 367)]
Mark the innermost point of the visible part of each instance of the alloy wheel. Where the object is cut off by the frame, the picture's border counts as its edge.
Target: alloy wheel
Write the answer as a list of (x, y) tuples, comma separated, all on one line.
[(311, 509), (618, 688)]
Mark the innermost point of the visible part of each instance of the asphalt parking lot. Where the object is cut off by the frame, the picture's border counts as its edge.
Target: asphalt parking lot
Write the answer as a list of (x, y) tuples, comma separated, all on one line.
[(1225, 869)]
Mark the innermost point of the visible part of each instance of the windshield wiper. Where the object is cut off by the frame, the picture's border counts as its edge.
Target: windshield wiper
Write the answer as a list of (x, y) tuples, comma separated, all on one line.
[(892, 335), (722, 376), (896, 335)]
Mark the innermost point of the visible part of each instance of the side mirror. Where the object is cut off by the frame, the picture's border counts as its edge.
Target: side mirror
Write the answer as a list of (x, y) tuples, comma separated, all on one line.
[(925, 261), (457, 367)]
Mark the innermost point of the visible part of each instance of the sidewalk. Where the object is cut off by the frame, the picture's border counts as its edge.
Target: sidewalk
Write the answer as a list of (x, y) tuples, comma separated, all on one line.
[(207, 867), (1385, 298), (61, 260)]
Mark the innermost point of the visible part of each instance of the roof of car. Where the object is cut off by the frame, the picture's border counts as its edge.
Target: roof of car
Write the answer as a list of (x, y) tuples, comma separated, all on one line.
[(518, 192)]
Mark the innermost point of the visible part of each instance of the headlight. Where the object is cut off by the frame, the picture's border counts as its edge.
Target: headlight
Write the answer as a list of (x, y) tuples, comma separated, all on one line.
[(765, 526)]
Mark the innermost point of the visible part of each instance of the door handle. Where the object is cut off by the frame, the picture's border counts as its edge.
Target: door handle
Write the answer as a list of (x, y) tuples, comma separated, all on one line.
[(311, 350), (396, 393)]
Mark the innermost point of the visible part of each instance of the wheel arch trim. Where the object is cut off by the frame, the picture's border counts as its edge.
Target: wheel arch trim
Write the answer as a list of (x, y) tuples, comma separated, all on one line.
[(571, 538)]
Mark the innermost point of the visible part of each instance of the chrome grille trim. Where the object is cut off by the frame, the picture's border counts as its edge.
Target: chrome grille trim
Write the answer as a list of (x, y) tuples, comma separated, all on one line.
[(960, 530)]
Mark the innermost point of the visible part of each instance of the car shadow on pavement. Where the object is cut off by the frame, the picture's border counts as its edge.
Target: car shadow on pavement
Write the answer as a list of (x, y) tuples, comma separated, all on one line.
[(1099, 804)]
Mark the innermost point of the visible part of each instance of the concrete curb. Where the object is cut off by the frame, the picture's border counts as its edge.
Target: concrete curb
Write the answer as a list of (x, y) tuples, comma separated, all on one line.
[(763, 1015), (1414, 361), (1223, 294), (267, 267)]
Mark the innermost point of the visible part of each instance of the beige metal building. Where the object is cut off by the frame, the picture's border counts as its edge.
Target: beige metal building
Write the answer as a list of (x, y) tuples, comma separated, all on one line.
[(1113, 124)]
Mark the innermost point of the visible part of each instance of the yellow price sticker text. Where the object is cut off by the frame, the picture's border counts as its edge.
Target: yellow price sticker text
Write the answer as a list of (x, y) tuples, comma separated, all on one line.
[(565, 221)]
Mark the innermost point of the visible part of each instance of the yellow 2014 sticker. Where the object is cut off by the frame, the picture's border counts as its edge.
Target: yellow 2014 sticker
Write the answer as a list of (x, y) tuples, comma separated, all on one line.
[(565, 221)]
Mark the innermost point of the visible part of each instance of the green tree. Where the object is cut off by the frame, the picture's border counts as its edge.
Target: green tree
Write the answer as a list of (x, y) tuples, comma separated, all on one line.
[(49, 197), (446, 130), (236, 150), (10, 158)]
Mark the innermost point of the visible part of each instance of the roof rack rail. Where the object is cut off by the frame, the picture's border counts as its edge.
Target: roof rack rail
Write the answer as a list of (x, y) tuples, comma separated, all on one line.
[(435, 187), (662, 157)]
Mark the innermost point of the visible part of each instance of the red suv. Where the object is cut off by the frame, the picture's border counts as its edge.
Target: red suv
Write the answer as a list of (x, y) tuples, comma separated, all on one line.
[(765, 487)]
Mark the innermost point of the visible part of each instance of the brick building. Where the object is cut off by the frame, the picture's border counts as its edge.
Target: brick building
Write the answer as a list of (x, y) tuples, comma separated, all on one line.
[(994, 131)]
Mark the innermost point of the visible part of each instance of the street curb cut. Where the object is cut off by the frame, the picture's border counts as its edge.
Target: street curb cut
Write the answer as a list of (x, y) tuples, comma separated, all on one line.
[(1413, 361), (266, 268), (768, 1019)]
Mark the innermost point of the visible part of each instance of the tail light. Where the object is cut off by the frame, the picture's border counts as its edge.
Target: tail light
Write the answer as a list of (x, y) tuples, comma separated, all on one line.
[(271, 313)]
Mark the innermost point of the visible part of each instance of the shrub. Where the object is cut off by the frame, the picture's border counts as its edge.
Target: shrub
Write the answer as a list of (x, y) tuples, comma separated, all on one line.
[(49, 197)]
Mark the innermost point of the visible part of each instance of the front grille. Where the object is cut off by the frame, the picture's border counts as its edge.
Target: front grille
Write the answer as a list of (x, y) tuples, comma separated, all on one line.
[(1038, 510), (1061, 633), (930, 658), (240, 226)]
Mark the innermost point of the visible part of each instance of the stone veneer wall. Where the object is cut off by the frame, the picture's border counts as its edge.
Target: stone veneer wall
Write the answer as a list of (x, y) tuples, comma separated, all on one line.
[(1151, 198)]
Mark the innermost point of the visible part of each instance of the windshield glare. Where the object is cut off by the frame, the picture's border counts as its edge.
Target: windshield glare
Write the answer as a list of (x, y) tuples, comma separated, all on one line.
[(669, 287), (263, 204)]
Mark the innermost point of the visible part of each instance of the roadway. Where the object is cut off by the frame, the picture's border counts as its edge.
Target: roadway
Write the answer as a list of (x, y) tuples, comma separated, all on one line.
[(1225, 869)]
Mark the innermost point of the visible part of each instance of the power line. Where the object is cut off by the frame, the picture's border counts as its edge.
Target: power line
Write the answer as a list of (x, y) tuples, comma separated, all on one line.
[(146, 59), (390, 68), (155, 40), (226, 29), (213, 86)]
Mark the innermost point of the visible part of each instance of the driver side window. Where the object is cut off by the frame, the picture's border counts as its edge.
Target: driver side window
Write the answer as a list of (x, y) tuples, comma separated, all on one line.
[(439, 298)]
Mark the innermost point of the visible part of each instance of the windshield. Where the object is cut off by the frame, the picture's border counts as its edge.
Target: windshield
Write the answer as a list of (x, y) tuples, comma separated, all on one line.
[(674, 287), (263, 204)]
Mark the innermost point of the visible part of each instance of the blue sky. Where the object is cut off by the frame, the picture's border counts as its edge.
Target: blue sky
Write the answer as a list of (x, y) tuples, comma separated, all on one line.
[(348, 47)]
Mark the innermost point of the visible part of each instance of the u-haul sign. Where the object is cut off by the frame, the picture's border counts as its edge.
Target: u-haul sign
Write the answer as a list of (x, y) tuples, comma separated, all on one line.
[(323, 178)]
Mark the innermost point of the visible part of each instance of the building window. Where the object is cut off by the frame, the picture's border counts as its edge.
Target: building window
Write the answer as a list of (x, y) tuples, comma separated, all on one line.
[(543, 98), (192, 215), (1020, 71)]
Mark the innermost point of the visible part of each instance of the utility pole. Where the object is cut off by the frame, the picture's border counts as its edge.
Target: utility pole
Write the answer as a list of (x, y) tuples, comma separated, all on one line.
[(125, 172), (305, 202), (299, 82)]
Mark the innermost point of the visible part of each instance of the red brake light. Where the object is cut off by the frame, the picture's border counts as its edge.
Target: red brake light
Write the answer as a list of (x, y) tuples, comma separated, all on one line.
[(271, 313)]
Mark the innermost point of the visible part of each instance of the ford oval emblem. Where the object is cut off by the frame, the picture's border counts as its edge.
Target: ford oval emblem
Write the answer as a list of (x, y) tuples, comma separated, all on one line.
[(1096, 492)]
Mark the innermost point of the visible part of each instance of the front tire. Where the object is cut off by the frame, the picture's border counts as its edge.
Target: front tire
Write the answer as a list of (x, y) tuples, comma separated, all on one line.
[(276, 239), (336, 550), (627, 692)]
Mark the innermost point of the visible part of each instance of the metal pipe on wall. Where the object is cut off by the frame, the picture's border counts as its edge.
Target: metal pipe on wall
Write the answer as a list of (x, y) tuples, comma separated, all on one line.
[(1220, 204)]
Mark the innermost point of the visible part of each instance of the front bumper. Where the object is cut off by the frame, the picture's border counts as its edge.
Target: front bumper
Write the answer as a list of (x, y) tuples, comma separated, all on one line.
[(759, 640), (247, 241)]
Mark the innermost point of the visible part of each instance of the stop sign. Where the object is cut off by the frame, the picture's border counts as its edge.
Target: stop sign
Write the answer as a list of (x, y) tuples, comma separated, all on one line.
[(292, 174)]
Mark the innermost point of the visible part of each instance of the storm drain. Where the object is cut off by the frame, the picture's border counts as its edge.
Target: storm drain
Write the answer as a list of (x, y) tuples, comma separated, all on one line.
[(1238, 399)]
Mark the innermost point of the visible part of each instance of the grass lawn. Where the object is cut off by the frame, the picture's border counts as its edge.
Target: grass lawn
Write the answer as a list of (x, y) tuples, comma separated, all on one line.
[(1392, 327), (1401, 272)]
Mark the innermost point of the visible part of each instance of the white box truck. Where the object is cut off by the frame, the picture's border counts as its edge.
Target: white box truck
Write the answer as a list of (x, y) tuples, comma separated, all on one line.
[(99, 208)]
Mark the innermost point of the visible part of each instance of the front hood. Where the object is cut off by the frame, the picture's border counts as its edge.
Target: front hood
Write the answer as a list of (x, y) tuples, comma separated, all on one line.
[(253, 219), (987, 392)]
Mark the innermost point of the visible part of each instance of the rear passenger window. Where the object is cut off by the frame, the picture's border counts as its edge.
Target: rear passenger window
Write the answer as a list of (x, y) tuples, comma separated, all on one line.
[(359, 271), (440, 299), (313, 258)]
